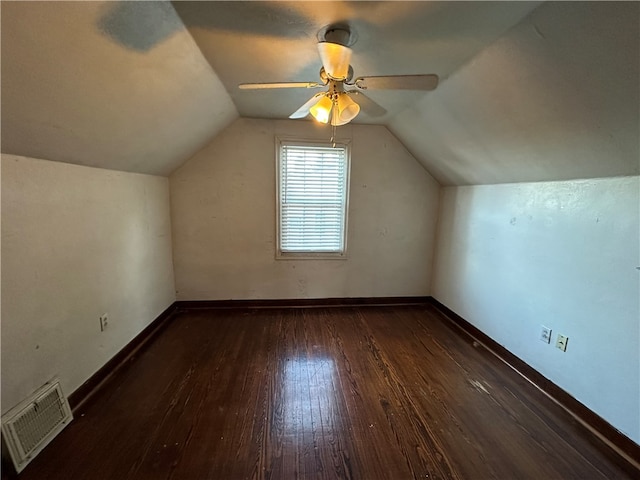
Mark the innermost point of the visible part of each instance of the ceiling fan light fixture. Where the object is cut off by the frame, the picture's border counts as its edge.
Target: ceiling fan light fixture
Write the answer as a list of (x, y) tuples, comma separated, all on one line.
[(321, 110), (347, 108), (335, 118)]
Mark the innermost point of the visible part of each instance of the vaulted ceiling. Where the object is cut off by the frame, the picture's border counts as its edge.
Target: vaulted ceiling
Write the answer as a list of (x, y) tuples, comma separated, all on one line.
[(528, 91)]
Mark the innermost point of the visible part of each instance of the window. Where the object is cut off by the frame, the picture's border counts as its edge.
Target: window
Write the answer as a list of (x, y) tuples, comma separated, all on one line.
[(312, 199)]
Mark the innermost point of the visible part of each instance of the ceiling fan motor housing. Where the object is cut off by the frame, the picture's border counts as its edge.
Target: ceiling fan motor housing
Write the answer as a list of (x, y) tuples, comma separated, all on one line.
[(324, 76)]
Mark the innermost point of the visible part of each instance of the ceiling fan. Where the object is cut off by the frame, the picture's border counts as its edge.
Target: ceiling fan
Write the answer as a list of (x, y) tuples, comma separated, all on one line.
[(336, 105)]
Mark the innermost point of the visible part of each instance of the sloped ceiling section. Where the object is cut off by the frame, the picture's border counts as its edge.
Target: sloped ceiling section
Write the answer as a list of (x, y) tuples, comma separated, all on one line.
[(118, 85), (556, 98), (528, 92), (248, 42)]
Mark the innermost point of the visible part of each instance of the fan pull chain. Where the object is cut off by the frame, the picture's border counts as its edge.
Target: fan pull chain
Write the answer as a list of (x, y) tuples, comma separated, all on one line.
[(334, 112)]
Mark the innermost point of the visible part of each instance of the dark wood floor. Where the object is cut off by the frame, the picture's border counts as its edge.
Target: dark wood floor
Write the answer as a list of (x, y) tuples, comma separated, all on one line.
[(363, 393)]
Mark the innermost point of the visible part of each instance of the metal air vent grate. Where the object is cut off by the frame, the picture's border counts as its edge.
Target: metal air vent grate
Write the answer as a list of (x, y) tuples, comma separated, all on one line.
[(31, 425)]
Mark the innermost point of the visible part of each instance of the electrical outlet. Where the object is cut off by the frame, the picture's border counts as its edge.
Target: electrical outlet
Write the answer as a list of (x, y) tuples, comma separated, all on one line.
[(561, 343), (545, 334), (104, 322)]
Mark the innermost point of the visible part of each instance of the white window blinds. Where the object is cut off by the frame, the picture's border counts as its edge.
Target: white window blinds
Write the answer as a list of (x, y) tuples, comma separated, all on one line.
[(313, 197)]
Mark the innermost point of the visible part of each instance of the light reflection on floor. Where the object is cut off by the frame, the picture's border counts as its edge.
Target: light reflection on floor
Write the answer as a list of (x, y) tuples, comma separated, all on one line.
[(309, 395)]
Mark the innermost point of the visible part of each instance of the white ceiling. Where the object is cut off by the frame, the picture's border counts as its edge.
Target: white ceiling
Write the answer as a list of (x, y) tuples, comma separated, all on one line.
[(528, 92)]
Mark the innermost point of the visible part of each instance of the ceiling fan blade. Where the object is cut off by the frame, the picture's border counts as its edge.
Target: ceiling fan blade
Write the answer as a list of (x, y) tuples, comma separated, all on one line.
[(335, 59), (398, 82), (263, 86), (303, 111), (368, 106)]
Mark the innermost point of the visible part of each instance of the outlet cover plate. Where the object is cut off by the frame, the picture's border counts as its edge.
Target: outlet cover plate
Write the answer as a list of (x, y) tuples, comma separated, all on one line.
[(561, 342), (545, 334)]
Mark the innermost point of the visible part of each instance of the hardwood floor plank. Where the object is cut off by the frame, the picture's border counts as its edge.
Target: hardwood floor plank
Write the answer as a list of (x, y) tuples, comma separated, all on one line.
[(325, 393)]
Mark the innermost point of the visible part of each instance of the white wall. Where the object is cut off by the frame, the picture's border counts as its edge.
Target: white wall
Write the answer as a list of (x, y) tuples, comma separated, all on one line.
[(223, 209), (77, 242), (513, 257)]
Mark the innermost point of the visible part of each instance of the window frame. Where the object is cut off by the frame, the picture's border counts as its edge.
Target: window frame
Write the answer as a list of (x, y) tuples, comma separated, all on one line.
[(311, 255)]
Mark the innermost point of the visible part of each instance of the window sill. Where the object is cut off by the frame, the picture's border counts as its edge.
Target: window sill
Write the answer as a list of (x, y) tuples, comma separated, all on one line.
[(310, 256)]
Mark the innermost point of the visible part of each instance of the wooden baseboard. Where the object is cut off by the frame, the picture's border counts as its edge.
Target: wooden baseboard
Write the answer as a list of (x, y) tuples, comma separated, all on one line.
[(623, 446), (85, 391), (302, 302)]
